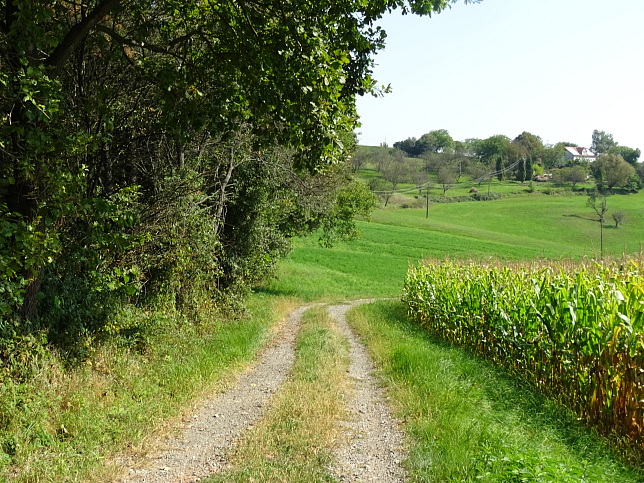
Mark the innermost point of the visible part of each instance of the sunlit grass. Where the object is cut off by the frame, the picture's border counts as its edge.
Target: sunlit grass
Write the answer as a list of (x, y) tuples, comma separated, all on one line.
[(65, 423)]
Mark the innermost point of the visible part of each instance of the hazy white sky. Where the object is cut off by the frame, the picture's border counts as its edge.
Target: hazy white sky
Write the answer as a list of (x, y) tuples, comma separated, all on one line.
[(556, 68)]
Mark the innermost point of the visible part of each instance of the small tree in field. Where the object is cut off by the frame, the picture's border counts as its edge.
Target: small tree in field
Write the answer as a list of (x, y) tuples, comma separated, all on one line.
[(597, 201), (611, 171), (619, 217), (479, 172), (446, 177), (420, 179), (382, 187)]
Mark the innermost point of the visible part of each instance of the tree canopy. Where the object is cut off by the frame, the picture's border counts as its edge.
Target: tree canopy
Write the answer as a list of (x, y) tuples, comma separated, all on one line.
[(610, 171), (603, 143), (174, 145)]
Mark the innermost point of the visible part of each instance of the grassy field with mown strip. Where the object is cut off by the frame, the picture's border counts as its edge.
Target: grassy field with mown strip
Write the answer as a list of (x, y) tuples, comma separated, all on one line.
[(484, 426), (62, 429), (519, 228)]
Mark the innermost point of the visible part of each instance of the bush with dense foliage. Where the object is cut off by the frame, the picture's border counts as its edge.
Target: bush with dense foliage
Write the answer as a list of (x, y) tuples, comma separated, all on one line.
[(163, 152)]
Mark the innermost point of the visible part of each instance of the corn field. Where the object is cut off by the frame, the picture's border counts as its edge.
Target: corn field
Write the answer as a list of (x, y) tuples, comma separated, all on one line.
[(573, 330)]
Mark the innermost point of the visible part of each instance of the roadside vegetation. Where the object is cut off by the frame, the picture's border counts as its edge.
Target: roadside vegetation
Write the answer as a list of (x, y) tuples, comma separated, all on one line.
[(160, 160), (58, 430), (62, 423)]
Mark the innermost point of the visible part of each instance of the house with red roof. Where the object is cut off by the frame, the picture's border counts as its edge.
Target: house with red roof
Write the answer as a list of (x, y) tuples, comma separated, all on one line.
[(573, 153)]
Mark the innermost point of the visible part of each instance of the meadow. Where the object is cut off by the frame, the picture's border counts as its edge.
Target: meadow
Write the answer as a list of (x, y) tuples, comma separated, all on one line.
[(523, 227), (466, 420)]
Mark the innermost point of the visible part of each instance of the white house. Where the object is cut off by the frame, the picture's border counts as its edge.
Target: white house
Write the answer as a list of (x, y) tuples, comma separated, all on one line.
[(578, 154)]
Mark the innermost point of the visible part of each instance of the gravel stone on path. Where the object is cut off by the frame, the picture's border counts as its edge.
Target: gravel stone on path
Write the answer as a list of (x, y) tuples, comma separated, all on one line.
[(223, 418), (371, 451), (374, 450)]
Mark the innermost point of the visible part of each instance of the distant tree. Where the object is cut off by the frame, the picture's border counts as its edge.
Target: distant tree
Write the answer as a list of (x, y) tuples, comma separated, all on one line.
[(571, 174), (499, 166), (382, 188), (576, 174), (619, 216), (552, 156), (610, 171), (478, 172), (418, 176), (517, 158), (409, 146), (630, 155), (397, 170), (493, 151), (558, 176), (466, 148), (438, 141), (446, 177), (597, 201), (531, 148), (433, 161), (634, 183), (472, 146), (639, 169), (602, 142), (459, 162), (420, 179), (381, 157), (359, 158)]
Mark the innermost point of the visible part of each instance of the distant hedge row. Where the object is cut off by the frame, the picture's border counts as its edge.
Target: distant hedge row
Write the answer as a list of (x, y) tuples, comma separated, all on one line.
[(471, 197)]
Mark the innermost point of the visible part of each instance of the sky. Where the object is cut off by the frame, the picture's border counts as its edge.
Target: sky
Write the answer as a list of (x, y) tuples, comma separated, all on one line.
[(555, 68)]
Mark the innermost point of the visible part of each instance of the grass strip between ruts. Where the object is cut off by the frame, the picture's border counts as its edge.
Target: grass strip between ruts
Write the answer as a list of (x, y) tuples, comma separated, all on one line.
[(293, 441), (468, 421)]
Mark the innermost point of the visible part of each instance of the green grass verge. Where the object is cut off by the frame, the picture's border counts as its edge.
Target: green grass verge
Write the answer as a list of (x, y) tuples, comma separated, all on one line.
[(61, 425), (468, 421), (294, 440)]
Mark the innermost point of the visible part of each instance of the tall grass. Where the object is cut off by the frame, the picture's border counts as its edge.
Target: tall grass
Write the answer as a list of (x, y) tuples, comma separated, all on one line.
[(64, 423)]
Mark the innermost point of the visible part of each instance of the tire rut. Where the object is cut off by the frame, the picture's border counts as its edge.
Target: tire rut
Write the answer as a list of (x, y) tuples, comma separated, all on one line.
[(221, 420), (370, 451), (373, 450)]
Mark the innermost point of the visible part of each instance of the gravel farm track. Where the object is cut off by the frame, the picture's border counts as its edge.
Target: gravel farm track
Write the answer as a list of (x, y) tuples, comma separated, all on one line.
[(372, 449)]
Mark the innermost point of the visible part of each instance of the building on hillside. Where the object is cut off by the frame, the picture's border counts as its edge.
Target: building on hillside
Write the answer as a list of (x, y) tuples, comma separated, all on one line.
[(578, 154)]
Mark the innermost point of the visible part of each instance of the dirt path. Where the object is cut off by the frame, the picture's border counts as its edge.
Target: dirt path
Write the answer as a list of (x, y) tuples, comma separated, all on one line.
[(371, 451), (374, 447), (221, 420)]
